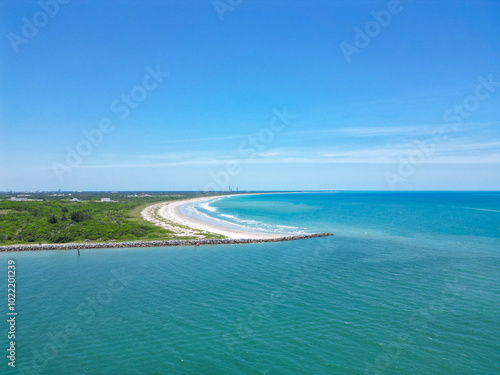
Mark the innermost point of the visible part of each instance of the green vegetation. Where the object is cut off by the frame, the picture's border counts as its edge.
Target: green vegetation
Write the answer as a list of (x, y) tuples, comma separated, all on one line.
[(52, 219), (55, 219)]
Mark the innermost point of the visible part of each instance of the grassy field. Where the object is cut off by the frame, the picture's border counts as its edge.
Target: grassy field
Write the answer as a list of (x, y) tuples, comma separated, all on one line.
[(48, 218)]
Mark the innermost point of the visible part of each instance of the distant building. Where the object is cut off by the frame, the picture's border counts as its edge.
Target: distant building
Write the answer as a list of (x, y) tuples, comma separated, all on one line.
[(74, 200), (106, 200), (18, 199)]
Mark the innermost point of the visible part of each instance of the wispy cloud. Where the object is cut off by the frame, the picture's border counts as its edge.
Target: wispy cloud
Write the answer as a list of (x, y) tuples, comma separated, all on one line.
[(450, 153), (355, 132), (206, 139), (387, 131)]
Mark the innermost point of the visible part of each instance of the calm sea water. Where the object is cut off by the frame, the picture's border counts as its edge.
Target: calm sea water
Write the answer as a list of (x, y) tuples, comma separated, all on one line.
[(410, 284)]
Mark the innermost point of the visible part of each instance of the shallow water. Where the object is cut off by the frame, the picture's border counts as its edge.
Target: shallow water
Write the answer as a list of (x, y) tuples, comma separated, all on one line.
[(409, 285)]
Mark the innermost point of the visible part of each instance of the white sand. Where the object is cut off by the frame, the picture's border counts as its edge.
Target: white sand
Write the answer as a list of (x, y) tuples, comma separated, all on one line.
[(167, 216)]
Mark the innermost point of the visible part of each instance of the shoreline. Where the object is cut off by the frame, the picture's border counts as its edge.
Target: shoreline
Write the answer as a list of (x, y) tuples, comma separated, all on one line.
[(165, 243), (167, 216)]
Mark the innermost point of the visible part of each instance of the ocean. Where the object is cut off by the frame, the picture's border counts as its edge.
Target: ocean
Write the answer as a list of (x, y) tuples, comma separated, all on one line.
[(409, 284)]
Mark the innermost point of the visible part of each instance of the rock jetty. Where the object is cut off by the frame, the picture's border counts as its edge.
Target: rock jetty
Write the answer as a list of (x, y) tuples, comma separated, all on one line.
[(106, 245)]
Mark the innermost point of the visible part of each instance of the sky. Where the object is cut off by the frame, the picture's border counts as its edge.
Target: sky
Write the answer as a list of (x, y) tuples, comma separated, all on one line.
[(256, 95)]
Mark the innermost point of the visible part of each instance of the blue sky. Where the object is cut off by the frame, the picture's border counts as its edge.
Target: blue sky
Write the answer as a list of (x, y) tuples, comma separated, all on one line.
[(417, 106)]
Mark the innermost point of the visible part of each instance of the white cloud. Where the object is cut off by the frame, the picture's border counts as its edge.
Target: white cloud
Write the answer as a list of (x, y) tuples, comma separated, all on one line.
[(445, 153)]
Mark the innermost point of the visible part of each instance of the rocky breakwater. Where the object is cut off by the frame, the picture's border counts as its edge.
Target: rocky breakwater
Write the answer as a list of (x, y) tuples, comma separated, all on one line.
[(106, 245)]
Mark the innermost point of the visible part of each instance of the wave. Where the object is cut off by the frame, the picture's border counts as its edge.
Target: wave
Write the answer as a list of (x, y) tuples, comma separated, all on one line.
[(207, 205), (233, 221), (480, 209)]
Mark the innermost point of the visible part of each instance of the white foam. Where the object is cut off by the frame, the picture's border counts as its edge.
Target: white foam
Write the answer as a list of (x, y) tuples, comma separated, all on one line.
[(236, 222), (208, 207)]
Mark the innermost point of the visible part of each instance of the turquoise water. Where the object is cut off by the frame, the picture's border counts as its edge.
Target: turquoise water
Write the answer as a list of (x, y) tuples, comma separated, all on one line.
[(410, 284)]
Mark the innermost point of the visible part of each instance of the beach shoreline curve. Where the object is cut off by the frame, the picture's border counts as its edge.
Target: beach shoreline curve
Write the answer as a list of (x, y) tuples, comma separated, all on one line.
[(168, 216)]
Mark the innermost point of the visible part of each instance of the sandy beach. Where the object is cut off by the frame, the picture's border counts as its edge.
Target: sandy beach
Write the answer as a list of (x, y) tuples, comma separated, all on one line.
[(188, 231), (167, 215)]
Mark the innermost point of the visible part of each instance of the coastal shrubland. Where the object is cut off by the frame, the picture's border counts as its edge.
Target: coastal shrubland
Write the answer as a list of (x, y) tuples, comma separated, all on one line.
[(52, 218)]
